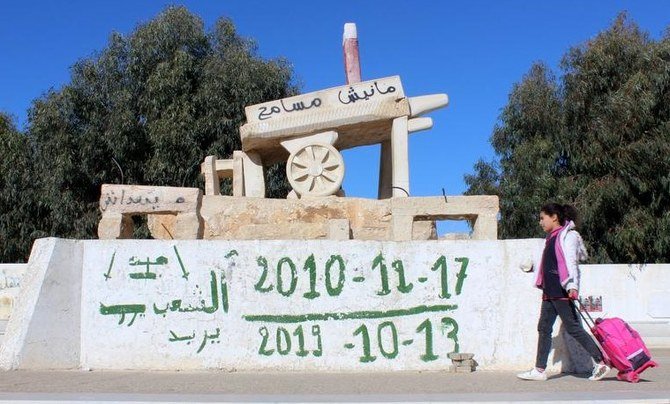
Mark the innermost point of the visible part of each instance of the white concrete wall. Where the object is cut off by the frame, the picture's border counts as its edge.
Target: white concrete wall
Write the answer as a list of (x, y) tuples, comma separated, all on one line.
[(44, 327), (10, 281), (162, 335), (640, 294), (149, 304)]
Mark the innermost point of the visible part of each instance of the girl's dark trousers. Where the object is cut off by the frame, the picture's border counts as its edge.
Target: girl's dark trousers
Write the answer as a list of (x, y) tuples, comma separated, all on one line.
[(564, 309)]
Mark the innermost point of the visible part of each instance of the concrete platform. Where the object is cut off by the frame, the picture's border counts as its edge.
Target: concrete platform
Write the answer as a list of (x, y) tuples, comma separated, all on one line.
[(480, 386)]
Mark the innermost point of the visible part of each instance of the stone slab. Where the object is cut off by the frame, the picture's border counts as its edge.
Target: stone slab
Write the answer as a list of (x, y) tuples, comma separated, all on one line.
[(339, 229), (141, 199), (347, 98), (256, 218), (460, 356), (115, 225), (461, 369), (465, 363), (451, 207), (228, 217)]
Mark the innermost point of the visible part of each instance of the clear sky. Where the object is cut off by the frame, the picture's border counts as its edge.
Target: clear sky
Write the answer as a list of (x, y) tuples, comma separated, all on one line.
[(472, 50)]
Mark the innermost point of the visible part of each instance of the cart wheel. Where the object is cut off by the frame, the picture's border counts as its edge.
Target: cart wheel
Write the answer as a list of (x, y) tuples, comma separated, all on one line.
[(315, 170)]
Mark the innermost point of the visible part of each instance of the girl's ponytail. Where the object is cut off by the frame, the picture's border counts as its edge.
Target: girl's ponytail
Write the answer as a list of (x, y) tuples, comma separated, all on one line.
[(569, 213), (565, 213)]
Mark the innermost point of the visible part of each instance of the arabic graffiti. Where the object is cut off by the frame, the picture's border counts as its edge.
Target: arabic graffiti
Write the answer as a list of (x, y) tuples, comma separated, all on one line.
[(383, 89), (388, 344), (147, 274), (285, 277), (7, 281), (112, 199), (385, 330), (147, 200), (176, 305), (123, 309), (213, 338), (218, 289), (194, 301), (267, 112), (282, 341), (352, 95)]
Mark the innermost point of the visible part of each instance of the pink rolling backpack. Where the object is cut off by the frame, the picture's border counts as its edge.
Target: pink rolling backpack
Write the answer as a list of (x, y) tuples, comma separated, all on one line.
[(621, 345)]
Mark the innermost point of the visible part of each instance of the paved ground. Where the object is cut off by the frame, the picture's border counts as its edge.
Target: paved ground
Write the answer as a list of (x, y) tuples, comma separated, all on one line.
[(480, 386)]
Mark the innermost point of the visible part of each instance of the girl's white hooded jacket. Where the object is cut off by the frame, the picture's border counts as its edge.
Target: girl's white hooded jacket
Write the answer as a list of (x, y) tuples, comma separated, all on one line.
[(570, 243)]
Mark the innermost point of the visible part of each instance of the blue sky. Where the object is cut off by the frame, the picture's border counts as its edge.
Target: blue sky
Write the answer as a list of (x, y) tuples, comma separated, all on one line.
[(472, 50)]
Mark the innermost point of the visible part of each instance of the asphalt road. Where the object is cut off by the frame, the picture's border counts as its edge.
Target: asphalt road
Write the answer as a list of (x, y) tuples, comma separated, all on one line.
[(479, 386)]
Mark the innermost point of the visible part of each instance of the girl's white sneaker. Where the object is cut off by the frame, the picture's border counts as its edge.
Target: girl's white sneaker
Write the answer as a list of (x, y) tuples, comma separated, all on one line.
[(533, 374), (600, 370)]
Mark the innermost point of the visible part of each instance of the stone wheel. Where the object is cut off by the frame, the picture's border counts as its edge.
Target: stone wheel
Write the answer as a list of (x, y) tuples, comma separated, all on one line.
[(315, 170)]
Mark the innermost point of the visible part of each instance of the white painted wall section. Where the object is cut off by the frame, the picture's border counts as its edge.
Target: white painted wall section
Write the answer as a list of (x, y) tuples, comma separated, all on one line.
[(10, 282), (44, 327), (295, 306), (640, 294)]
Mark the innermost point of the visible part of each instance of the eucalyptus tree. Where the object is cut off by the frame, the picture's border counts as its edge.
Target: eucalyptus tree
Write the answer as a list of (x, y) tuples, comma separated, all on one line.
[(147, 109), (598, 138), (18, 205)]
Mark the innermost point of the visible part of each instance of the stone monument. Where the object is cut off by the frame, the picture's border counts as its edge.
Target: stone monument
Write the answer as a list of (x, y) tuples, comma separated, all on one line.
[(307, 132)]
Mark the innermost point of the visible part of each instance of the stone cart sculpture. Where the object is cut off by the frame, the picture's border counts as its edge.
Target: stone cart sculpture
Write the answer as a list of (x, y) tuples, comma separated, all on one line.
[(308, 132)]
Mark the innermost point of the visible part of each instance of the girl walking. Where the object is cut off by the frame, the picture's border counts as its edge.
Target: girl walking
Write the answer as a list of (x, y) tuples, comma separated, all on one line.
[(558, 277)]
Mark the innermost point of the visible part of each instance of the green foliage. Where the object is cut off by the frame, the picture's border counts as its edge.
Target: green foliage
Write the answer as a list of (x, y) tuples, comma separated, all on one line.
[(17, 208), (599, 139), (147, 109), (485, 181)]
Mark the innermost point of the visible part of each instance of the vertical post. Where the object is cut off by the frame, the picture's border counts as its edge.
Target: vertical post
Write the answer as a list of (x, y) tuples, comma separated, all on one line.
[(115, 226), (238, 173), (485, 227), (385, 171), (400, 157), (254, 175), (208, 168), (352, 66), (387, 161), (402, 227)]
